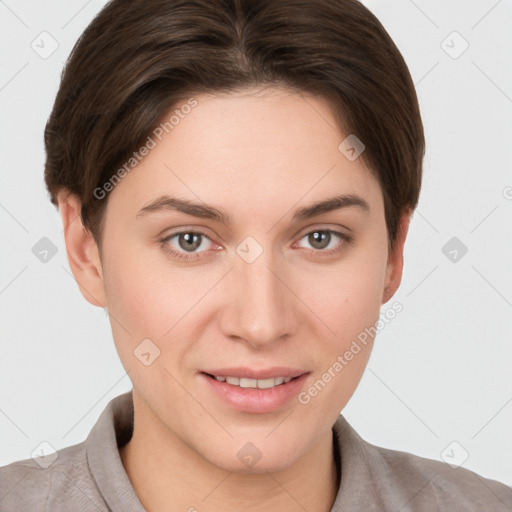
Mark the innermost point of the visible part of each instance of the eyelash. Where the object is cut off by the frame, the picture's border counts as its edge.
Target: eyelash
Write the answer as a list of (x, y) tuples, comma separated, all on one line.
[(346, 239)]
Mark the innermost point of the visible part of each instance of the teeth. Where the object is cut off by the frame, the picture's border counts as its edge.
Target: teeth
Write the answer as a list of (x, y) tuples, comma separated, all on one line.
[(266, 383), (254, 383), (248, 383)]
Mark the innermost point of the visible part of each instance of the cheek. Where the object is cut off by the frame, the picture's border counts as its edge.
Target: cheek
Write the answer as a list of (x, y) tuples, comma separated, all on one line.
[(349, 306), (347, 297), (150, 299)]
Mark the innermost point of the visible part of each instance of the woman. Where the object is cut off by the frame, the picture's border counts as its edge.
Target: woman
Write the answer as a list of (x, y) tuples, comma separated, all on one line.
[(236, 180)]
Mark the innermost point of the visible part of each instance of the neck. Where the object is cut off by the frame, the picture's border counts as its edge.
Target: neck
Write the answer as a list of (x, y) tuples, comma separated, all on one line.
[(167, 475)]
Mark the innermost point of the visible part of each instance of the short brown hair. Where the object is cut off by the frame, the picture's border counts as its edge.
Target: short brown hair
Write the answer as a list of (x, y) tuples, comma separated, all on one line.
[(138, 58)]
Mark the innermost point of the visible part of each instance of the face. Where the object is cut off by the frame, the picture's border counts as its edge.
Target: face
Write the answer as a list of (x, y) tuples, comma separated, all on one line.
[(251, 284)]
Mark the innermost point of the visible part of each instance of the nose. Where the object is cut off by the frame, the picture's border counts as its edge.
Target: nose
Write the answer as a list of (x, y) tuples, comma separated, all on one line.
[(257, 306)]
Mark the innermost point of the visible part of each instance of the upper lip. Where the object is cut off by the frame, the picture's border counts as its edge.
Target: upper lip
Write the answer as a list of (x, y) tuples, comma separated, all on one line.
[(251, 373)]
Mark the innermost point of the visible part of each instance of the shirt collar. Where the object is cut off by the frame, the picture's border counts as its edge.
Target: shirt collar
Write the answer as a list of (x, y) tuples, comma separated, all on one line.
[(358, 488), (113, 429)]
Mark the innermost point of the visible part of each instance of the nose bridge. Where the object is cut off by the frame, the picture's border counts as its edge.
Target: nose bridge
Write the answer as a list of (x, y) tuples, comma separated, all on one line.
[(258, 306)]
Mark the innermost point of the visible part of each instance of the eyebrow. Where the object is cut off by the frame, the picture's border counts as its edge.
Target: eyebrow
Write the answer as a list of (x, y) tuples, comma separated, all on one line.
[(167, 203)]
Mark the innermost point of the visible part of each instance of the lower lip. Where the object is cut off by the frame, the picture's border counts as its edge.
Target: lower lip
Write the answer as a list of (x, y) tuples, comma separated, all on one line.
[(255, 400)]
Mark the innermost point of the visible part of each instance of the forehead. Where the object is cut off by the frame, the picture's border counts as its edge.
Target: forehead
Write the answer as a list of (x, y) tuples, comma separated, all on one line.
[(251, 151)]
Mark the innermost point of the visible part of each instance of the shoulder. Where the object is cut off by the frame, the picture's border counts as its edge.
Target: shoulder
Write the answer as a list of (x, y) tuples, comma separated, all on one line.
[(50, 482), (435, 482), (393, 480)]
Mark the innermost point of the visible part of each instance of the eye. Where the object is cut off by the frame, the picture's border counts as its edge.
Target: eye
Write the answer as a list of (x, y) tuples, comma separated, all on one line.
[(326, 240), (184, 244)]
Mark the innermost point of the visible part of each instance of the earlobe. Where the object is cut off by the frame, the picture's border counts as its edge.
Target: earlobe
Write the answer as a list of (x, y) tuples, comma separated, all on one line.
[(396, 259), (82, 250)]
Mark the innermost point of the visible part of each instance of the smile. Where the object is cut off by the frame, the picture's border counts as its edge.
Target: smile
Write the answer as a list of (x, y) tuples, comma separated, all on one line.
[(252, 391), (253, 383)]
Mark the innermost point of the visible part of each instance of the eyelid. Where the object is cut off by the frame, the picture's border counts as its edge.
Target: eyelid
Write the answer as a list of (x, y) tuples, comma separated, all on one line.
[(324, 227), (185, 229)]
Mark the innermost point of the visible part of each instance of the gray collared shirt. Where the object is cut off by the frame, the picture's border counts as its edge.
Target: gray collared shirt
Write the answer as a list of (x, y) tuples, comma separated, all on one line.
[(90, 476)]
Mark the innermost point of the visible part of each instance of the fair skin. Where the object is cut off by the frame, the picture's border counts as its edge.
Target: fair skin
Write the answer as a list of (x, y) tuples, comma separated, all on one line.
[(257, 156)]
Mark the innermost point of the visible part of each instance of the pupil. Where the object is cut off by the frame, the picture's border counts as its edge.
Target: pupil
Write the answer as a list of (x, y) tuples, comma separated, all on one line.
[(317, 239), (191, 243)]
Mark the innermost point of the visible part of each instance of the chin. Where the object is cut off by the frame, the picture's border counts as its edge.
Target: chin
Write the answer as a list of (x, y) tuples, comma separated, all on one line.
[(247, 457)]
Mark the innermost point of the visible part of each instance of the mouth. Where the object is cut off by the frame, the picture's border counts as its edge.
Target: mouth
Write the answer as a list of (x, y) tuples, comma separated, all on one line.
[(245, 382), (255, 391)]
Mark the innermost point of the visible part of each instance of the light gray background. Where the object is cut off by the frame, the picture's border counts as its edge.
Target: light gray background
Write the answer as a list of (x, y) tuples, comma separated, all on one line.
[(440, 371)]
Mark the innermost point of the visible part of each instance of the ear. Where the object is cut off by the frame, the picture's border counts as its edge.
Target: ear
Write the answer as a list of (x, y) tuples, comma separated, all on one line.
[(82, 251), (396, 258)]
